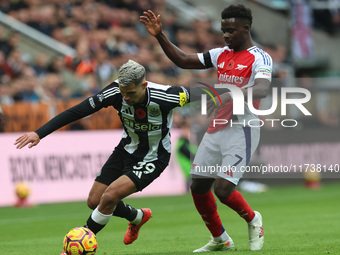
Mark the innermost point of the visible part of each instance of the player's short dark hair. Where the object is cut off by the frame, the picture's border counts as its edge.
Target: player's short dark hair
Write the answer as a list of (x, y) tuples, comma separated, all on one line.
[(237, 11)]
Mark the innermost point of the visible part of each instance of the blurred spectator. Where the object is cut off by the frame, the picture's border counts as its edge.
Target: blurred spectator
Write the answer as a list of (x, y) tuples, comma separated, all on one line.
[(43, 18), (52, 88), (166, 66), (3, 39), (105, 70), (10, 44), (2, 120), (82, 63), (24, 90), (56, 66), (41, 65), (14, 64), (4, 76), (6, 94), (170, 28), (328, 19), (90, 86)]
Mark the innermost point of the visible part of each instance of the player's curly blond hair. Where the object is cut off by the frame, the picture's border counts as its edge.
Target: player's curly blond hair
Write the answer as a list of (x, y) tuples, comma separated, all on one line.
[(131, 73)]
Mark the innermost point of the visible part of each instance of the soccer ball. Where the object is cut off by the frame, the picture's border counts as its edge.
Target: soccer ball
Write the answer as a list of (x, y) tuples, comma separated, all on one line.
[(80, 241), (22, 190)]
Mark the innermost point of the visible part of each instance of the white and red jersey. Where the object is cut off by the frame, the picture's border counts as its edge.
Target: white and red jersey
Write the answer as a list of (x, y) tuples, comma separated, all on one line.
[(237, 68)]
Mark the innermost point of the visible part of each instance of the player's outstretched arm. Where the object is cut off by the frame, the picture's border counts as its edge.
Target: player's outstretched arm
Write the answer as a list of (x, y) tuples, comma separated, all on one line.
[(30, 138), (186, 61)]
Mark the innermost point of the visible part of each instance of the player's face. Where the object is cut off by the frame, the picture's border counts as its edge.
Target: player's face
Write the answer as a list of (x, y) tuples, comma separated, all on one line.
[(235, 33), (133, 94)]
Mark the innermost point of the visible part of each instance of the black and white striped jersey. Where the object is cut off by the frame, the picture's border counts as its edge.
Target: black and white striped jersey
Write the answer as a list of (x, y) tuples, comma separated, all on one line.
[(146, 133)]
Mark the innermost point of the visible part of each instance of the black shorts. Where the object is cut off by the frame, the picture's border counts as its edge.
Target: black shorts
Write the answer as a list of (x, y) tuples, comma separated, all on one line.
[(140, 172)]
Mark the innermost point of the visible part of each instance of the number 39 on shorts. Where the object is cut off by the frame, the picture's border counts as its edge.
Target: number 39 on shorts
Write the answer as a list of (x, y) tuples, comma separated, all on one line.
[(149, 167)]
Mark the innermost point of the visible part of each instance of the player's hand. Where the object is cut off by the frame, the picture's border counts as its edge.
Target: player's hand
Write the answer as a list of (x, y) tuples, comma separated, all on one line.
[(151, 22), (30, 138), (213, 108)]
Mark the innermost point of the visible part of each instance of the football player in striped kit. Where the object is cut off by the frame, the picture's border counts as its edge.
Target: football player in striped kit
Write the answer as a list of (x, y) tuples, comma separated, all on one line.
[(145, 109), (240, 63)]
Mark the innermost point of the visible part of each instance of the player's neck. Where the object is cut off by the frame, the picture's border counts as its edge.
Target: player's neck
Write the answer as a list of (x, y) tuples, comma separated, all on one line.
[(246, 45), (145, 98)]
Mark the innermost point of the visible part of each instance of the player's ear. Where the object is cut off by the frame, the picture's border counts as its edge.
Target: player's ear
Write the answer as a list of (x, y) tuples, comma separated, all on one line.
[(247, 27), (144, 84)]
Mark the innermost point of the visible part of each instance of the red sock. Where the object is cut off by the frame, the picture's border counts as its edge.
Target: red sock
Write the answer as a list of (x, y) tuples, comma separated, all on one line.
[(237, 202), (207, 208)]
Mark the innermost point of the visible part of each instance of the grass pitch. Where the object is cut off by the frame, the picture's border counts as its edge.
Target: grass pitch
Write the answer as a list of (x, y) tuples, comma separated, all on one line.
[(296, 221)]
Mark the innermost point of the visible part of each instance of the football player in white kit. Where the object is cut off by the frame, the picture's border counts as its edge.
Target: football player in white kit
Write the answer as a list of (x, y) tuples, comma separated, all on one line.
[(242, 64)]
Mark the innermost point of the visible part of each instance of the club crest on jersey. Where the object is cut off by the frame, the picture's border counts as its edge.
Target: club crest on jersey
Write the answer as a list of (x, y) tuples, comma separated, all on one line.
[(154, 112), (140, 113), (240, 67)]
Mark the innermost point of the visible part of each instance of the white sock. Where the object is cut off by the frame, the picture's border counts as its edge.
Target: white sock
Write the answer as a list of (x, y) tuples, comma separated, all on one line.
[(100, 218), (138, 218), (222, 238)]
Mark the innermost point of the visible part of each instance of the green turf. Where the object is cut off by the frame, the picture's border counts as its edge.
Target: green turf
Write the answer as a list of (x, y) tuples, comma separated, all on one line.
[(296, 221)]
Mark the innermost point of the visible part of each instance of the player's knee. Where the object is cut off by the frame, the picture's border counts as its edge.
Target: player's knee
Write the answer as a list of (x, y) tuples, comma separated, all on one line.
[(198, 186), (223, 192), (110, 198), (92, 203), (194, 187)]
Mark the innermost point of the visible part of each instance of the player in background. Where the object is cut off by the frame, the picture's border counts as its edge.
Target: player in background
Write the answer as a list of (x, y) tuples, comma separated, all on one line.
[(244, 65), (145, 109)]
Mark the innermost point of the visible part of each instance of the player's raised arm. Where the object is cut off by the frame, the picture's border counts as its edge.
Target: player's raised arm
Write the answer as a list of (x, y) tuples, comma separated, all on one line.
[(183, 60), (30, 138)]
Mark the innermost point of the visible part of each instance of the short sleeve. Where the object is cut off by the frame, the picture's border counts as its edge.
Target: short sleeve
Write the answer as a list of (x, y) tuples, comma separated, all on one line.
[(209, 59), (263, 66)]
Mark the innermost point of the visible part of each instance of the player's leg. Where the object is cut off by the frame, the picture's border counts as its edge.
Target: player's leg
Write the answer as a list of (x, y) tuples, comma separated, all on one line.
[(95, 194), (142, 174), (122, 209), (226, 193), (206, 206), (224, 189), (112, 170), (114, 193), (235, 200), (202, 180), (236, 155)]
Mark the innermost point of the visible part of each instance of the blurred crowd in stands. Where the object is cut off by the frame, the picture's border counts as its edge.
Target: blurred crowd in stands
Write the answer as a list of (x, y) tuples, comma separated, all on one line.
[(104, 34)]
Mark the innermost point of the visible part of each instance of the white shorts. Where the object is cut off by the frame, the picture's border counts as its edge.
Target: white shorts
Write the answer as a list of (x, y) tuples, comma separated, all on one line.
[(225, 153)]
